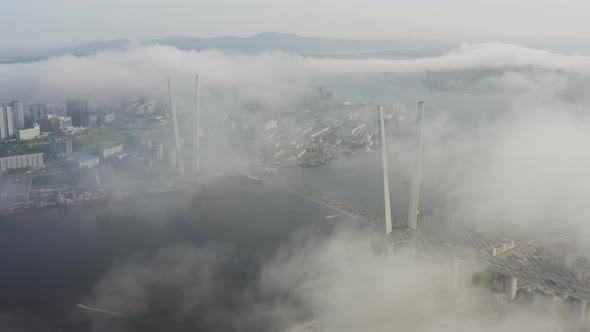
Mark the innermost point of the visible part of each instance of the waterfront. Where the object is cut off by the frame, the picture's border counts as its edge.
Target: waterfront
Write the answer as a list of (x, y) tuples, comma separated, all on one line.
[(54, 257)]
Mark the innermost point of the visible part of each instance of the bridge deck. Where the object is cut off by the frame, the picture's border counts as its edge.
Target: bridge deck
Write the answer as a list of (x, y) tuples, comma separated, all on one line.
[(530, 261)]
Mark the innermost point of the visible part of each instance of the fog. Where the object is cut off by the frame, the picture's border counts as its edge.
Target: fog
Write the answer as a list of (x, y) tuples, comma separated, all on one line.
[(274, 77), (400, 293), (310, 278), (522, 162)]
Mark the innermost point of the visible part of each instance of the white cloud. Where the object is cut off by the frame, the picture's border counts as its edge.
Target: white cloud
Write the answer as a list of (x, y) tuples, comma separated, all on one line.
[(273, 76)]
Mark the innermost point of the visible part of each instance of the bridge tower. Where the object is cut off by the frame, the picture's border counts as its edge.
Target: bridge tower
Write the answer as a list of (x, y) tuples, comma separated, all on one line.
[(178, 154), (416, 177), (413, 212), (196, 164), (386, 189)]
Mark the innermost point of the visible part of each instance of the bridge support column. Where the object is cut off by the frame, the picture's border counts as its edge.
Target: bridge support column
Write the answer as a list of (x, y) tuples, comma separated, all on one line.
[(581, 308), (455, 272), (389, 252), (510, 284)]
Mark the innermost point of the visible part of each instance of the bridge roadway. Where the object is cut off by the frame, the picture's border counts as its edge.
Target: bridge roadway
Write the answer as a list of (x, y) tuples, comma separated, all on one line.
[(358, 214), (535, 265)]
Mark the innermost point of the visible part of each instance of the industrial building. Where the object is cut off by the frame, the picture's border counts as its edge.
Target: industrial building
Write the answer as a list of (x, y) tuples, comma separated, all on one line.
[(28, 134), (110, 151), (139, 106), (86, 161), (34, 160)]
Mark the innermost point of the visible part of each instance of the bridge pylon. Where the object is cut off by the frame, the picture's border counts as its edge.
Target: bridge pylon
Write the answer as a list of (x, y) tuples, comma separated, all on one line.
[(386, 189), (412, 222)]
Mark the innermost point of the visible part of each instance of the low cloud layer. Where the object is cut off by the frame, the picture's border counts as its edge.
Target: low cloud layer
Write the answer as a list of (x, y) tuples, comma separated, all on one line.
[(275, 77)]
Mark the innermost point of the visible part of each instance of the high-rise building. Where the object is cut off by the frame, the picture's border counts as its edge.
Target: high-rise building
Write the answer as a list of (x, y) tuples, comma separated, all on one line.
[(61, 123), (6, 123), (58, 146), (19, 114), (10, 120), (92, 120), (45, 123), (78, 110), (3, 129), (37, 112)]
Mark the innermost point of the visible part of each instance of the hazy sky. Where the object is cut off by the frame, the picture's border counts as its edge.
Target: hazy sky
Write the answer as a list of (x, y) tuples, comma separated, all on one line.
[(36, 22)]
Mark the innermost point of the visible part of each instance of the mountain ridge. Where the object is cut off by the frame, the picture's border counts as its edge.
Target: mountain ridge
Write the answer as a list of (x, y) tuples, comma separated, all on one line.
[(261, 42), (288, 42)]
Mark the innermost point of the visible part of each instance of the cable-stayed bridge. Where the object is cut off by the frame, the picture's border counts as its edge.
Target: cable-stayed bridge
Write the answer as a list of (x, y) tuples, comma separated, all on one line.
[(422, 210)]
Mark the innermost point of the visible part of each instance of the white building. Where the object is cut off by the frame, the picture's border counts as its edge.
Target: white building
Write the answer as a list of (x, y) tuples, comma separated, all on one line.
[(87, 161), (270, 125), (61, 123), (106, 118), (27, 134), (502, 248), (351, 130), (139, 106), (34, 160), (107, 152), (92, 120), (321, 132)]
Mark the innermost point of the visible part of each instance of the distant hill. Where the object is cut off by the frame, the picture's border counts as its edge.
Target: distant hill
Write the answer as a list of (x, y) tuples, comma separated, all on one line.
[(77, 50), (266, 41), (92, 48), (271, 41)]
